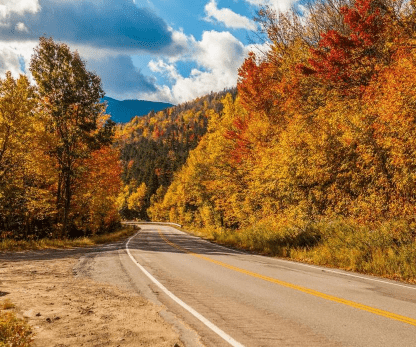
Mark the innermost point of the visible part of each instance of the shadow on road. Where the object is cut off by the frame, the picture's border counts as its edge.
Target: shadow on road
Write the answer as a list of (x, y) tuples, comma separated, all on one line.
[(146, 240), (51, 254), (150, 241)]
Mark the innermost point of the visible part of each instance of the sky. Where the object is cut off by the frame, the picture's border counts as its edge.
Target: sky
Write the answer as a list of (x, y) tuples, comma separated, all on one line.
[(159, 50)]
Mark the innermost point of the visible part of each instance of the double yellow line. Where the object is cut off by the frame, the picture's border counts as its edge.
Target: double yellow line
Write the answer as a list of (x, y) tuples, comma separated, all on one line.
[(350, 303)]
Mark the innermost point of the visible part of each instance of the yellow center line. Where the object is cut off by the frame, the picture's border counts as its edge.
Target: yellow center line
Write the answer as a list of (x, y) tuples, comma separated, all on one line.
[(350, 303)]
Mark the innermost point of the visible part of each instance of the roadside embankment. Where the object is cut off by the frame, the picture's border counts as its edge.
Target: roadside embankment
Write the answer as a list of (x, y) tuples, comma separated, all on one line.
[(65, 310), (33, 244), (388, 250)]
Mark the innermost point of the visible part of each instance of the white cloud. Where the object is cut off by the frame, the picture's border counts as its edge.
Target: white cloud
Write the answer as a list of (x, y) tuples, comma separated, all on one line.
[(259, 49), (282, 5), (220, 51), (229, 18), (120, 77), (13, 55), (9, 61), (21, 30), (163, 94), (202, 83), (112, 24), (21, 27), (180, 44), (162, 67), (18, 6), (278, 5), (218, 56)]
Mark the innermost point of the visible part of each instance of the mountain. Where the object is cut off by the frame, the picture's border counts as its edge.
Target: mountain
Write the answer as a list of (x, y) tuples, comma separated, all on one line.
[(124, 111), (155, 146)]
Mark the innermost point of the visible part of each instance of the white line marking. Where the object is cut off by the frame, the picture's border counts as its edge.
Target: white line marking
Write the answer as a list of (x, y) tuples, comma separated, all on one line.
[(316, 267), (160, 223), (356, 276), (197, 315)]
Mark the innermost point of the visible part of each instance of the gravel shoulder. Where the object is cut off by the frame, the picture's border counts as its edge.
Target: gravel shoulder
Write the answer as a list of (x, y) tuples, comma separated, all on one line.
[(68, 310)]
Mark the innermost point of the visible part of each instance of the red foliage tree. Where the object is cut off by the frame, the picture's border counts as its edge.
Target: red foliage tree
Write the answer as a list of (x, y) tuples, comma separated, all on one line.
[(348, 62), (254, 84)]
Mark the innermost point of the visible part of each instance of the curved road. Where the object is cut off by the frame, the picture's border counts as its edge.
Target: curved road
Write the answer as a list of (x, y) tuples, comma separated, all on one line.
[(255, 300)]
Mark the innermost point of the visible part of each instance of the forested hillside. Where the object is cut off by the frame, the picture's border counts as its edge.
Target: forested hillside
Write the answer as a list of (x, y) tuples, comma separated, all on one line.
[(153, 147), (316, 157), (312, 156)]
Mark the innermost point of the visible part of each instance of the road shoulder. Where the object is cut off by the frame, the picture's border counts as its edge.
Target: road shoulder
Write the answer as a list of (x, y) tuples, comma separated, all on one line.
[(68, 311)]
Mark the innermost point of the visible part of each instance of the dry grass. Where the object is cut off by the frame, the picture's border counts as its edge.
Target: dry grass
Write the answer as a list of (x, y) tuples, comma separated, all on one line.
[(13, 245), (14, 332), (387, 250), (6, 305)]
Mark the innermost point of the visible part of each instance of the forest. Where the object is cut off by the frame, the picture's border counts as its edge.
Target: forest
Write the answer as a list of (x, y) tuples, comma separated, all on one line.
[(154, 147), (312, 156), (59, 173), (315, 159)]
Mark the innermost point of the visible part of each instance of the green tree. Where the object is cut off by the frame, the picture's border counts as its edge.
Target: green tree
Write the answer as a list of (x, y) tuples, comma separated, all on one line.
[(70, 98)]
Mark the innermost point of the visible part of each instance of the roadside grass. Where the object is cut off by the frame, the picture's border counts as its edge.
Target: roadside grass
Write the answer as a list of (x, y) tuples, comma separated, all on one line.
[(6, 305), (387, 250), (14, 332), (23, 245)]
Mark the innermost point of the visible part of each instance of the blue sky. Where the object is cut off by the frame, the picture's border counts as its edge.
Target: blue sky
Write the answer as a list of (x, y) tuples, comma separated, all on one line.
[(160, 50)]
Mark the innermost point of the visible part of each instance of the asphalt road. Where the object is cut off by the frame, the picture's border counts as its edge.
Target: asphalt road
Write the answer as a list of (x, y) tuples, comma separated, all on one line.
[(255, 300)]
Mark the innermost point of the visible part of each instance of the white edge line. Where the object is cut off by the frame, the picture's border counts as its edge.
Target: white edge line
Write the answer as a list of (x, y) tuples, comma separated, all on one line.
[(197, 315), (316, 267), (160, 223), (356, 276)]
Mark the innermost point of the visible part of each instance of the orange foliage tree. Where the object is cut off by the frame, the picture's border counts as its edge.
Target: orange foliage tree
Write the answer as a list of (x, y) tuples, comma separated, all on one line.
[(323, 128), (95, 209)]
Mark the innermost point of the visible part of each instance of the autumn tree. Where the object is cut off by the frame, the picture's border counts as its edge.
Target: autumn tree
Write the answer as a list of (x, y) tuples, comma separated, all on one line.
[(95, 207), (17, 101), (69, 96), (155, 146), (136, 200), (322, 128)]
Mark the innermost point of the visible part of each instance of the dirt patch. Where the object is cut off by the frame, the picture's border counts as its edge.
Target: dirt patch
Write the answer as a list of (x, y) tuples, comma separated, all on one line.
[(68, 311)]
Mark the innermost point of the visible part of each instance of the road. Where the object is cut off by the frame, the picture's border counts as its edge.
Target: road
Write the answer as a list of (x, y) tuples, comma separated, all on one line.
[(250, 300)]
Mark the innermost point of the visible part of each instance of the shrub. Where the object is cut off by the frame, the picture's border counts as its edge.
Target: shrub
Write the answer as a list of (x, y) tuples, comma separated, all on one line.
[(14, 332)]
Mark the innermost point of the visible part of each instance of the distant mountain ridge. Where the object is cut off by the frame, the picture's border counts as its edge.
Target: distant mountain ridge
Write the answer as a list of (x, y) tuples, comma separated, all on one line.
[(156, 146), (124, 111)]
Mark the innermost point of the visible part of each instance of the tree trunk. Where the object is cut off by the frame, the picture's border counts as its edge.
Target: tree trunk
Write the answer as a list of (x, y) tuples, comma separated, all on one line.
[(67, 203)]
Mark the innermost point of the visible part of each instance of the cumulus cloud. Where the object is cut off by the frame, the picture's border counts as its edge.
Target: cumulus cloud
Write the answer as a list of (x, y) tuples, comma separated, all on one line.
[(108, 32), (229, 18), (15, 57), (220, 51), (21, 27), (218, 56), (278, 5), (7, 7), (9, 61), (165, 68), (110, 24), (120, 77), (105, 32)]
